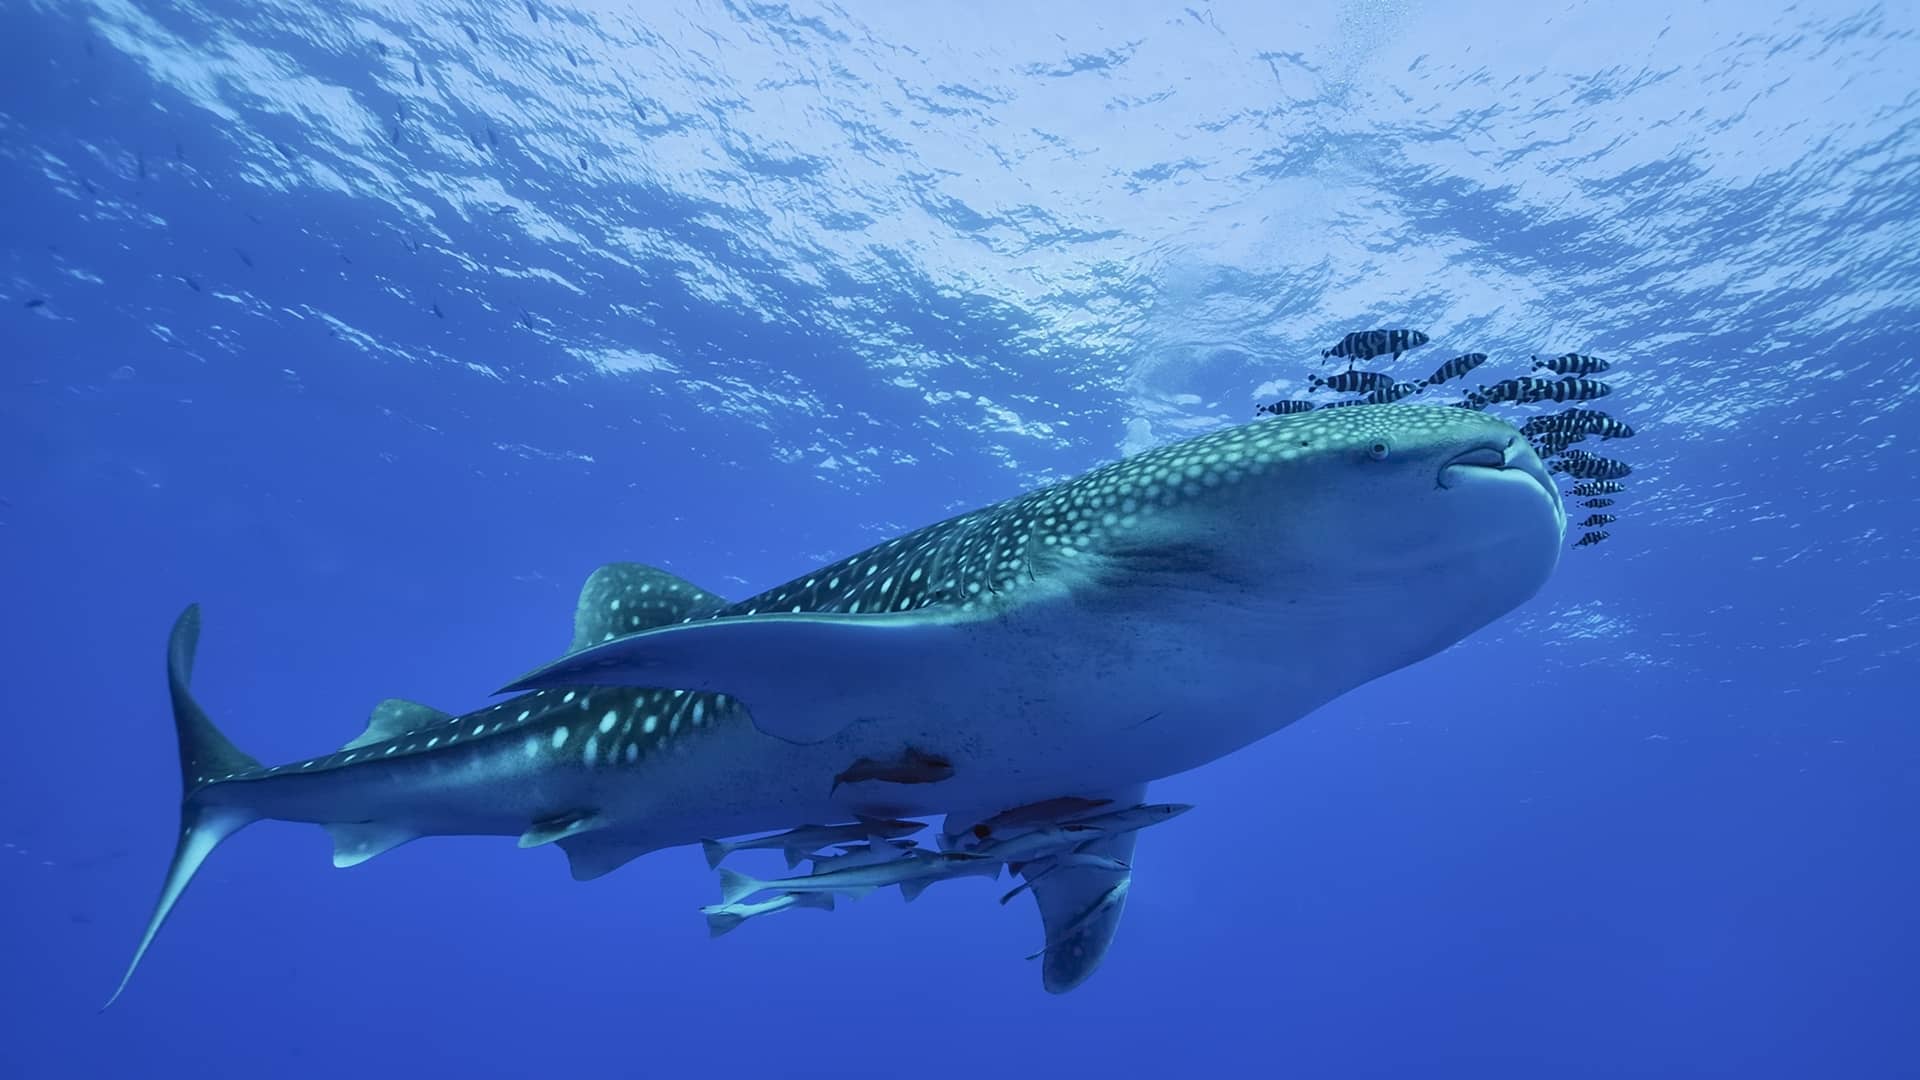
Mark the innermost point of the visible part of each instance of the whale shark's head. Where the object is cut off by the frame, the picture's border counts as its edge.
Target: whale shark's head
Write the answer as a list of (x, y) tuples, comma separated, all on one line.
[(1383, 532)]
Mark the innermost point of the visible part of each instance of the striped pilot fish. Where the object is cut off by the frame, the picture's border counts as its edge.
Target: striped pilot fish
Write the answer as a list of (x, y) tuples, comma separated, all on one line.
[(1597, 503), (1572, 364), (1581, 421), (1584, 466), (1352, 382), (1456, 367), (1597, 487), (1367, 344), (1526, 389), (1594, 521), (1387, 395), (1549, 443), (1588, 539), (1283, 408)]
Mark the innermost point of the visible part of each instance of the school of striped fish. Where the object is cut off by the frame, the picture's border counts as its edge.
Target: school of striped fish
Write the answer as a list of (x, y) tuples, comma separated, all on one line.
[(1562, 379)]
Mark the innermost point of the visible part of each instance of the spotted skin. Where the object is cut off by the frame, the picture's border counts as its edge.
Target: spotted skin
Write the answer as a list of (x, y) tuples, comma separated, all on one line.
[(585, 728)]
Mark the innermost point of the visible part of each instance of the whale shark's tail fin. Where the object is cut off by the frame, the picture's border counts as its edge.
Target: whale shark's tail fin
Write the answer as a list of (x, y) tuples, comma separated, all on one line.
[(206, 759)]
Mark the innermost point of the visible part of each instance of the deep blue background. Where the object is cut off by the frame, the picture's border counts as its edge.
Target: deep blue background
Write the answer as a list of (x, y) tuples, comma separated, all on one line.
[(1658, 823)]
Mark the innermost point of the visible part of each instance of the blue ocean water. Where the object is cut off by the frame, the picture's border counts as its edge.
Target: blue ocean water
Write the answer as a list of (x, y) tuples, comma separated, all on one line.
[(374, 328)]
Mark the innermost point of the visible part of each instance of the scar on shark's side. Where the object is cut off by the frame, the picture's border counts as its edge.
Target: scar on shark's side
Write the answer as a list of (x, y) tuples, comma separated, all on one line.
[(911, 766)]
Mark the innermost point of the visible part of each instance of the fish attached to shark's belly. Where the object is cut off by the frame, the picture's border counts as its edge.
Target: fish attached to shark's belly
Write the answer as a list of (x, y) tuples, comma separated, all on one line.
[(1062, 646)]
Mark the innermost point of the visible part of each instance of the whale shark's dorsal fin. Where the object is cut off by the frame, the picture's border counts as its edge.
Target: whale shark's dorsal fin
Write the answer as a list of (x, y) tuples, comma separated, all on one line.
[(625, 598), (395, 717)]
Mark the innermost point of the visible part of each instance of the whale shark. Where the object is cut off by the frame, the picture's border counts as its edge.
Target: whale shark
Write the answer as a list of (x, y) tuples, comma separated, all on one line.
[(1074, 643)]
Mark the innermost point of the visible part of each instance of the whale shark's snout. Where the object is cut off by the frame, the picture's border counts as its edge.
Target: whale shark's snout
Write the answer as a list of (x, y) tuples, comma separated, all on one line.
[(1483, 456), (1505, 459), (1510, 455), (1384, 533)]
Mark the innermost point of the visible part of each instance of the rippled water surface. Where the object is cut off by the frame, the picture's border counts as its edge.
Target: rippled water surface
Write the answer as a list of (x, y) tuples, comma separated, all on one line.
[(375, 327)]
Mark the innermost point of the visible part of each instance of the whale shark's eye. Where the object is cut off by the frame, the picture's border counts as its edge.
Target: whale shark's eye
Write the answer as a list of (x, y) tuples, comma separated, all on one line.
[(1379, 450)]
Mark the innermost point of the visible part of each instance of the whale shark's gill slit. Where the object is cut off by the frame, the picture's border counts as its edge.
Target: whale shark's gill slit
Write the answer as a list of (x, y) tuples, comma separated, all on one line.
[(1179, 557)]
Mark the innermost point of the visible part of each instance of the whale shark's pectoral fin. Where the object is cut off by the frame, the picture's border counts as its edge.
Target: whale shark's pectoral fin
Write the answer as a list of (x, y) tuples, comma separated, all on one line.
[(795, 673), (1080, 907)]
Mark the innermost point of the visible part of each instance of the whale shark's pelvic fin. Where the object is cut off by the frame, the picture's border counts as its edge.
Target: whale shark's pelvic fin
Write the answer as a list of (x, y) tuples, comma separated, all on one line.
[(354, 844), (591, 855), (1080, 907)]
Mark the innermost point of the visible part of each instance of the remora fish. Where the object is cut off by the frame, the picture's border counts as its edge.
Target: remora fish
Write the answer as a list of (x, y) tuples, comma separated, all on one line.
[(862, 855), (1017, 820), (802, 842), (1071, 819), (1037, 814), (724, 917), (857, 881), (1072, 860), (1233, 571), (1133, 817), (1036, 843)]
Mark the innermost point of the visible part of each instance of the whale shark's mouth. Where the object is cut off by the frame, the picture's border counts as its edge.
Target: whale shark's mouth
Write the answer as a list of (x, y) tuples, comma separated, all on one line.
[(1498, 457)]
